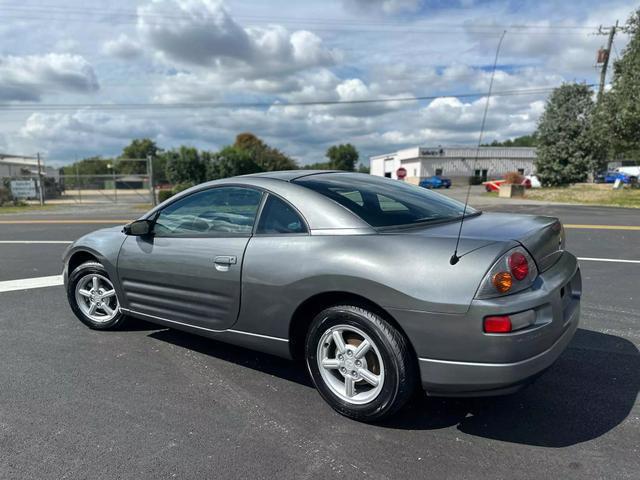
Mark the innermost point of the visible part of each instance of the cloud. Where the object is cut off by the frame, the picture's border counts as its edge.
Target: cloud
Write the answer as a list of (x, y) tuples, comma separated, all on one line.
[(384, 6), (28, 78), (122, 47), (203, 34)]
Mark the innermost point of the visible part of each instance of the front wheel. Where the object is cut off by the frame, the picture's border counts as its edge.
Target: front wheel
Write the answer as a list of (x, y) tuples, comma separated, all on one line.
[(93, 298), (360, 364)]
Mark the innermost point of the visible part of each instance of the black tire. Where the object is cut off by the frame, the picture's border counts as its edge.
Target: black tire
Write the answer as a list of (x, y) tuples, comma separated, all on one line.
[(400, 371), (78, 274)]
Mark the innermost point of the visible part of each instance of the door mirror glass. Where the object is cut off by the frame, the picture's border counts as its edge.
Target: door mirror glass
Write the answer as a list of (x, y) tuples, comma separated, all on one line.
[(139, 228)]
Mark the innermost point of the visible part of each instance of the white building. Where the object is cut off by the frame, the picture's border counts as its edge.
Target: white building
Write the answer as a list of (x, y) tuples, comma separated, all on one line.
[(15, 166), (456, 163)]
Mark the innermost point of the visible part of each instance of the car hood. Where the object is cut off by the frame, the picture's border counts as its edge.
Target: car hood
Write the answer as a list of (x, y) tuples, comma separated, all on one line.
[(542, 236)]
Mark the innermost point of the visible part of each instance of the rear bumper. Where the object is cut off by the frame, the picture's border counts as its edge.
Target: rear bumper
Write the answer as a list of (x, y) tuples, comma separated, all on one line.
[(450, 378)]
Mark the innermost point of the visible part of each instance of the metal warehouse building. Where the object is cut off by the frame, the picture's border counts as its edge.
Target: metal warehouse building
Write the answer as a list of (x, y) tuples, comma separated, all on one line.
[(456, 163)]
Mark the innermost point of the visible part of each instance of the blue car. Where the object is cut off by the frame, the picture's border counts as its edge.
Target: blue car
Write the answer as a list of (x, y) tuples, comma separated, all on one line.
[(611, 177), (435, 182)]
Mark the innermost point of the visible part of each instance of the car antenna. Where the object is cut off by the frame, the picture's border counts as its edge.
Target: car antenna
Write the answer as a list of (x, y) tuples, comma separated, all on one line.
[(455, 258)]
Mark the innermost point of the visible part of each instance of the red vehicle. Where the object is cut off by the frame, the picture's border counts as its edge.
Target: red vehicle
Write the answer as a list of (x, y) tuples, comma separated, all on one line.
[(494, 185)]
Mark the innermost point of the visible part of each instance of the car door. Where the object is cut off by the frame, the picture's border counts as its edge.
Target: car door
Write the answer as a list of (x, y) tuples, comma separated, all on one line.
[(189, 269)]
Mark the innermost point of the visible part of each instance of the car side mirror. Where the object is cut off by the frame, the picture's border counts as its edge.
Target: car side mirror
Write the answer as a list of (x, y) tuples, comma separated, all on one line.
[(139, 228)]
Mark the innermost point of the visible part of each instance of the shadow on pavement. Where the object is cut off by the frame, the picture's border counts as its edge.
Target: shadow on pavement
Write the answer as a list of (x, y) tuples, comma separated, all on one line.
[(262, 362), (589, 391)]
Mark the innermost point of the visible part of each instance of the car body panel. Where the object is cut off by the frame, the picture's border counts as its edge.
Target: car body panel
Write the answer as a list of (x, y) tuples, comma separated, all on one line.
[(178, 279), (406, 272)]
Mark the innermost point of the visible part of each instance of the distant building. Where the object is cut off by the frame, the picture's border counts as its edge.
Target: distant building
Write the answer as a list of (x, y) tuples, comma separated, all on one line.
[(456, 163), (15, 166)]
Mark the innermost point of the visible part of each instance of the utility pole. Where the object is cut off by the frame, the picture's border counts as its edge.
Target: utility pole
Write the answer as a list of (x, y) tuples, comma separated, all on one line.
[(41, 179), (607, 55), (152, 190)]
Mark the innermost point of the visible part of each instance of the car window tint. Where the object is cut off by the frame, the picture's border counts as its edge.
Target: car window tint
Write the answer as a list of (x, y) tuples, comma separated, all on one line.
[(216, 211), (278, 217), (382, 202)]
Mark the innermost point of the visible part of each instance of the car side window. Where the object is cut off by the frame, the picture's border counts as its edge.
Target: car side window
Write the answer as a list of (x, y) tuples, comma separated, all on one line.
[(217, 211), (279, 217)]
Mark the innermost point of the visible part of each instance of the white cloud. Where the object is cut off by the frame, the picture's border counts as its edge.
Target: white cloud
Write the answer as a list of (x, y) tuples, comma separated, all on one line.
[(122, 47), (28, 78), (202, 33), (385, 6)]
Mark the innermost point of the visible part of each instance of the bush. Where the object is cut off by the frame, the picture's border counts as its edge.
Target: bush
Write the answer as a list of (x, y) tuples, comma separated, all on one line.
[(5, 195), (513, 178), (164, 195)]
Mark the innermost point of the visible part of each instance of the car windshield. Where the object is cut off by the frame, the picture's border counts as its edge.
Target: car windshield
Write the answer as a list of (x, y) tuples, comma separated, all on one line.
[(383, 202)]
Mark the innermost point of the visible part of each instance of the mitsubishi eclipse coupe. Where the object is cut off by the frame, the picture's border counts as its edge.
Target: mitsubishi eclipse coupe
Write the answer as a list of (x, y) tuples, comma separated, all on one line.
[(349, 272)]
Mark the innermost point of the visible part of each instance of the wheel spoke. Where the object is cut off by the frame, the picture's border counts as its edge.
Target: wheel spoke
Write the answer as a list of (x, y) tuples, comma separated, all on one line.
[(339, 341), (108, 310), (95, 283), (92, 308), (331, 363), (109, 293), (349, 387), (84, 293), (369, 377), (362, 349)]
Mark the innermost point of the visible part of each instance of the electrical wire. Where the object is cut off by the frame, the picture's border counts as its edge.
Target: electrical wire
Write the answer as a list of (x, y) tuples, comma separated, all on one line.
[(272, 104)]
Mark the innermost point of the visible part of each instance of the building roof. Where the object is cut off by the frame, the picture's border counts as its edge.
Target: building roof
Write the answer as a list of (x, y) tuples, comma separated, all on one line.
[(18, 160), (462, 151)]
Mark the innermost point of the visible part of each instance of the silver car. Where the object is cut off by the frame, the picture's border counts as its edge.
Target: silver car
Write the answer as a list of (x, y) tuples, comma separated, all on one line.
[(350, 272)]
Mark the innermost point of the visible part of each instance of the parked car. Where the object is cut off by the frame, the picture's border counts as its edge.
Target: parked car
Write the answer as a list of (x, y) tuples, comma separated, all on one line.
[(351, 272), (435, 182), (611, 177)]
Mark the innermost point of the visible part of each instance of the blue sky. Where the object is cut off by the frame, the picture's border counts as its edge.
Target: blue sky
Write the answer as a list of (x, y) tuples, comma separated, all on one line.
[(274, 52)]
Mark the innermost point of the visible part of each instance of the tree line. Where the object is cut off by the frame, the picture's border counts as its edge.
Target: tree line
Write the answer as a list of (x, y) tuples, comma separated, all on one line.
[(185, 166)]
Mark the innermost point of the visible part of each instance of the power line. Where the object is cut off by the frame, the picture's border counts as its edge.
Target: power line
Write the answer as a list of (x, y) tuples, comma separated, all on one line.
[(276, 104)]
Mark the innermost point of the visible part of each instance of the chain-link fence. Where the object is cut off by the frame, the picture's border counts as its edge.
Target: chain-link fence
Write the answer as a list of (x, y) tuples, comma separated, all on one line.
[(79, 189)]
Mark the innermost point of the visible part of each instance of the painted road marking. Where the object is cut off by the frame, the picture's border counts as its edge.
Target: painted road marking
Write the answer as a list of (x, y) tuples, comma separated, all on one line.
[(62, 222), (29, 242), (612, 260), (601, 227), (29, 283)]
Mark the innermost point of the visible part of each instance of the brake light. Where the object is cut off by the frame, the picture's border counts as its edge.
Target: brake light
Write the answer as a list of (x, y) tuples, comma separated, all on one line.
[(497, 324), (518, 265)]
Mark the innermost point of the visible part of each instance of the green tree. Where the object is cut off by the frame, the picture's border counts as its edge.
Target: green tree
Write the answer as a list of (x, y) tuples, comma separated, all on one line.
[(184, 165), (362, 168), (140, 149), (567, 147), (318, 166), (268, 158), (523, 141), (343, 157), (229, 162), (619, 116)]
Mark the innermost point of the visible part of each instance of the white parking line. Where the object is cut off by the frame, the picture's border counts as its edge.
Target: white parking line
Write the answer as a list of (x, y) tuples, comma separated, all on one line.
[(613, 260), (29, 283), (28, 242)]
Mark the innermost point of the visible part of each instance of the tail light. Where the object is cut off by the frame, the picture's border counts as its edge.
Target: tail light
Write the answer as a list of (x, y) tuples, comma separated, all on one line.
[(512, 272)]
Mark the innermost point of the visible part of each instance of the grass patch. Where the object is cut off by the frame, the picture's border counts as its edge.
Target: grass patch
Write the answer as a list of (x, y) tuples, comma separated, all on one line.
[(9, 209), (588, 194)]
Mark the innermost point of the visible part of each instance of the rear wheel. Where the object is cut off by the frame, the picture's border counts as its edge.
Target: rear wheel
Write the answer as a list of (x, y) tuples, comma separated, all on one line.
[(361, 365), (93, 298)]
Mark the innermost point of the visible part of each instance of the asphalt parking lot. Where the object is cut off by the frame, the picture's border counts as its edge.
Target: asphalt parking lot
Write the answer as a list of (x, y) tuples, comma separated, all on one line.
[(150, 402)]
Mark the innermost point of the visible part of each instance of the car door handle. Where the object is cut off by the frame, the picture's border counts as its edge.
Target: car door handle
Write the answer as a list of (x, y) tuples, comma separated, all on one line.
[(225, 260)]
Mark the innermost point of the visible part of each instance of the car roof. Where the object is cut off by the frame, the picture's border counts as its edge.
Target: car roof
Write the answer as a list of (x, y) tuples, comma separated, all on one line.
[(290, 175)]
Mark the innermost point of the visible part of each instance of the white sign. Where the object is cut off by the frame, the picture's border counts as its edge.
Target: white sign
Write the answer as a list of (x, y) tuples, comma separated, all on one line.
[(23, 188)]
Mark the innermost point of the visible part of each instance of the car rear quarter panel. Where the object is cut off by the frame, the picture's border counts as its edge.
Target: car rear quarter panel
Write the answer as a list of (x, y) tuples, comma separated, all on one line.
[(393, 271)]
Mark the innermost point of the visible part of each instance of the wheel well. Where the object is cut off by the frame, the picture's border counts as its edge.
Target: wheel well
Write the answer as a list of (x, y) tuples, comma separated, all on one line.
[(307, 310), (79, 258)]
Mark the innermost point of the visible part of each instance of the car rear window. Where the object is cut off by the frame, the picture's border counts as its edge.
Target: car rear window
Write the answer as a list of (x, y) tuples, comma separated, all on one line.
[(382, 202)]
